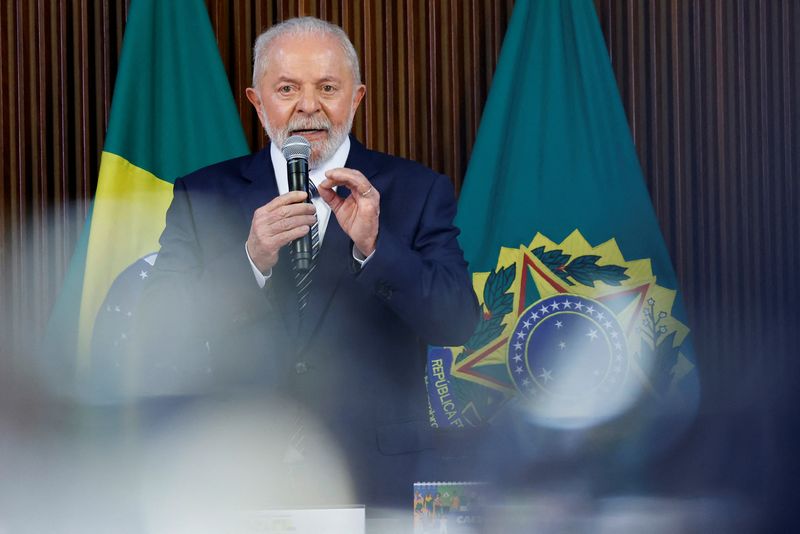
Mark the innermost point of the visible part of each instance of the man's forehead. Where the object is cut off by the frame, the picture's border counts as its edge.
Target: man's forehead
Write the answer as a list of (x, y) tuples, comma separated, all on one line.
[(296, 47)]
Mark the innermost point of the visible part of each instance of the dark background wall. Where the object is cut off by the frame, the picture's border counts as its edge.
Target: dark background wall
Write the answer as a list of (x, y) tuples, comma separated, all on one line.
[(709, 87)]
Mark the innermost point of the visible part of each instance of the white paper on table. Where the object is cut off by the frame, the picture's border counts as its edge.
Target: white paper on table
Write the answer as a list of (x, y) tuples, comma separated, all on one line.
[(332, 520)]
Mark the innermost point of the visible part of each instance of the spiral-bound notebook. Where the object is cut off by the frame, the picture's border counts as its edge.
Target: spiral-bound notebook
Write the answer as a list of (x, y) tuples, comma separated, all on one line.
[(448, 507)]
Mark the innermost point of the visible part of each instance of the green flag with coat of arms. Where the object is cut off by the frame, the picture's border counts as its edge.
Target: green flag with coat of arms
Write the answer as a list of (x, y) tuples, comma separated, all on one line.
[(581, 312)]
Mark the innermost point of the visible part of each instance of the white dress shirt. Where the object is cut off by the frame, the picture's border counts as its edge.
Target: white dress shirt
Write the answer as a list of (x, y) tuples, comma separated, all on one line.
[(317, 176)]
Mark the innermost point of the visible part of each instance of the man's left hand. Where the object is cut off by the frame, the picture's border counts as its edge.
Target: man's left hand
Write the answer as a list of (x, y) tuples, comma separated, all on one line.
[(358, 213)]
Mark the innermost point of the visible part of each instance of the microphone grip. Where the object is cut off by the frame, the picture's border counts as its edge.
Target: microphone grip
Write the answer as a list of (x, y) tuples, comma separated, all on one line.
[(298, 181)]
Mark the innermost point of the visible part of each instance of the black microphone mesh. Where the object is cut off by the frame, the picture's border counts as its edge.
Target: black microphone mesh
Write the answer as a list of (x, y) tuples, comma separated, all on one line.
[(296, 147)]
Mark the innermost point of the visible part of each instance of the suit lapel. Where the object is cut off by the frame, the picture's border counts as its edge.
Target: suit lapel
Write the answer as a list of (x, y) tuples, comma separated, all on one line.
[(336, 254), (260, 189), (260, 186)]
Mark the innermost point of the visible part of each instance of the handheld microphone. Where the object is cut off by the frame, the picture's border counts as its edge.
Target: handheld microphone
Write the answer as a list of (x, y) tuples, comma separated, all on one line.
[(297, 150)]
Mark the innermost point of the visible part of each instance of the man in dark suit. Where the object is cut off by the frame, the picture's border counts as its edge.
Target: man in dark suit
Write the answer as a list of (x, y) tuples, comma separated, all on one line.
[(389, 277)]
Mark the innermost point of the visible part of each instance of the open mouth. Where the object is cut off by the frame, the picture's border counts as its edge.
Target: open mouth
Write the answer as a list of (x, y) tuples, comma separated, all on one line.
[(309, 131)]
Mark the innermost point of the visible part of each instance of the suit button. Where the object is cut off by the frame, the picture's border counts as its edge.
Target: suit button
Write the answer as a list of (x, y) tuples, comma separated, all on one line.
[(301, 368)]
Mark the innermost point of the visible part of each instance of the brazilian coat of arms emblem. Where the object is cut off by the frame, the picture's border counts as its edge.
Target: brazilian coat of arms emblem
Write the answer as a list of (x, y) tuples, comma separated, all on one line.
[(575, 331)]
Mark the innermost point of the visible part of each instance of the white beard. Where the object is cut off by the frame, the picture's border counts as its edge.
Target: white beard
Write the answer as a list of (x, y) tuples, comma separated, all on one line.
[(321, 151)]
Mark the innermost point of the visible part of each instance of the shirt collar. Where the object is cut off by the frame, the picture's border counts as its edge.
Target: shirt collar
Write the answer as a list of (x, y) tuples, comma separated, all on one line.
[(317, 175)]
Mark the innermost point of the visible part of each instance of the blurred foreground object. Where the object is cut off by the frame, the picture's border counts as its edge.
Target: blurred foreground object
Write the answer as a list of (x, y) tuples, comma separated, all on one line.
[(209, 465)]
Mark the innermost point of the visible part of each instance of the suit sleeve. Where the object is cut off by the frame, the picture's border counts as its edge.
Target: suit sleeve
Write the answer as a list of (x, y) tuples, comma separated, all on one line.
[(220, 283), (426, 283), (193, 300)]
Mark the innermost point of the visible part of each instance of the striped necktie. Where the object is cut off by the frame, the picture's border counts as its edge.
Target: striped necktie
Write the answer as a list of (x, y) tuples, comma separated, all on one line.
[(303, 280)]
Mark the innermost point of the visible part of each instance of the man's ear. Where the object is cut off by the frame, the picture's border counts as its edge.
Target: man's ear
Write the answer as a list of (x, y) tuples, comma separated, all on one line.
[(255, 100), (358, 95)]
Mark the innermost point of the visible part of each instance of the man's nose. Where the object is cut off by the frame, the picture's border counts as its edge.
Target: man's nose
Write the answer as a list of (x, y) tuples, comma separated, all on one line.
[(308, 103)]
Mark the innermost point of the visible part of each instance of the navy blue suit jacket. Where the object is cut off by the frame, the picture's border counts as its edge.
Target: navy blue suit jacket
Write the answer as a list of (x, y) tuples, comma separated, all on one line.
[(363, 335)]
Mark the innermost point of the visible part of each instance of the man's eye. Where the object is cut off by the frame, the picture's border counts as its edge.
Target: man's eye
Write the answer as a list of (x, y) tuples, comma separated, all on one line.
[(328, 88), (285, 89)]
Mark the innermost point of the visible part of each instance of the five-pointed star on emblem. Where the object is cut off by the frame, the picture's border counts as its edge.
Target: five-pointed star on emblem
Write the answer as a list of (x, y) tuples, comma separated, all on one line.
[(517, 358), (567, 305), (559, 324), (518, 370), (579, 306), (518, 345), (521, 335), (562, 345), (546, 375), (143, 274), (544, 309), (526, 324), (592, 334)]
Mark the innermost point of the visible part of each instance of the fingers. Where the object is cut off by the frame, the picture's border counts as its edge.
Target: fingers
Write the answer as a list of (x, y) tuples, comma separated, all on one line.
[(282, 239), (292, 197), (358, 214), (288, 223), (330, 197), (350, 178), (283, 215), (362, 192), (277, 223)]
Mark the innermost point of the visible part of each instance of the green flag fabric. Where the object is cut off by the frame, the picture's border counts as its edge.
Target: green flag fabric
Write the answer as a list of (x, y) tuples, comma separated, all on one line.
[(172, 112), (581, 316)]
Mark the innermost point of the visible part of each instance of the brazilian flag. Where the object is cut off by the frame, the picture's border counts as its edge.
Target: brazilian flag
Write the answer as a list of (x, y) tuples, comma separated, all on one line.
[(582, 320), (172, 112)]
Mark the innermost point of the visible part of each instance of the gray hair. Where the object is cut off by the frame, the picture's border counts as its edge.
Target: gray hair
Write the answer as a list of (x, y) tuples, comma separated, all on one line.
[(302, 26)]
